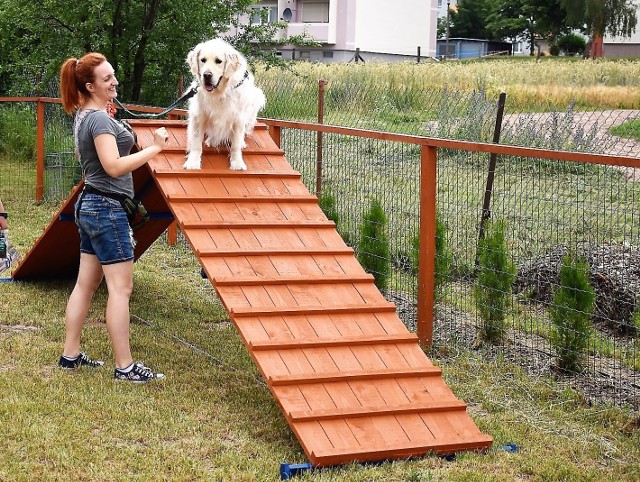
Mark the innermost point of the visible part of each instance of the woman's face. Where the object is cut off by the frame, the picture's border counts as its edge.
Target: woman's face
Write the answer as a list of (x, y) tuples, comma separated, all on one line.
[(103, 88)]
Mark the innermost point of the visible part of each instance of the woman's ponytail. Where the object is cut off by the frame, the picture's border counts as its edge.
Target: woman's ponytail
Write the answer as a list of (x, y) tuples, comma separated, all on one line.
[(68, 87)]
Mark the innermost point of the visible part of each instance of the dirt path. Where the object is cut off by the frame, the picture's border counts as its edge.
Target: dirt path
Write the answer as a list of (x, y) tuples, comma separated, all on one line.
[(620, 146), (603, 120)]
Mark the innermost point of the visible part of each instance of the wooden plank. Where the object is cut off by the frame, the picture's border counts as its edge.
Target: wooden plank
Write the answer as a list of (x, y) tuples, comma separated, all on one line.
[(271, 251), (340, 435), (320, 360), (252, 224), (162, 171), (330, 342), (296, 362), (377, 452), (352, 375), (242, 311), (220, 198)]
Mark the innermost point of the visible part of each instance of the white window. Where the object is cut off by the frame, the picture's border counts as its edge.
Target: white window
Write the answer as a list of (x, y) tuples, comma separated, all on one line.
[(315, 12), (257, 12)]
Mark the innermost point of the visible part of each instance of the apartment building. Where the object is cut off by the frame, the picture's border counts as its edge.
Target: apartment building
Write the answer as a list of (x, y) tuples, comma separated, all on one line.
[(623, 46), (356, 30)]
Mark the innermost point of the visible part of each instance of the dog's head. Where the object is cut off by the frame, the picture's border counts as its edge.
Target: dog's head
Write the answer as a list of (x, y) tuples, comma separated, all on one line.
[(216, 64)]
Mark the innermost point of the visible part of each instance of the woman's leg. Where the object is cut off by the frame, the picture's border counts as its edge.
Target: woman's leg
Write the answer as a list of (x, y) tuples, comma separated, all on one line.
[(89, 278), (119, 278)]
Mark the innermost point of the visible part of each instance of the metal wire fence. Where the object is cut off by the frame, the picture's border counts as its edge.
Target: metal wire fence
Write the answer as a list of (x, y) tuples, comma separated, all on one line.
[(549, 207)]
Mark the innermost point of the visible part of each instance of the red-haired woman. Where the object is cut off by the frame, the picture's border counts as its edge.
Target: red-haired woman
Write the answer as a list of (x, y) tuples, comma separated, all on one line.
[(87, 87)]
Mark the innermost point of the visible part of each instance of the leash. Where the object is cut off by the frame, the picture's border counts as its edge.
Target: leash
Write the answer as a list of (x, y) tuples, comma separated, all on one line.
[(187, 95)]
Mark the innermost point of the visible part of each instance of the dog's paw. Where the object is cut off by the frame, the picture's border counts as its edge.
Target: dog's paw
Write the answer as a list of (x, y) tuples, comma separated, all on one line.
[(233, 62), (192, 163), (237, 165)]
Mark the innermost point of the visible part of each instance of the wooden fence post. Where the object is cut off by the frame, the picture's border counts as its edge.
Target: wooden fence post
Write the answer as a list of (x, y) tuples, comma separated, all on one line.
[(275, 134), (486, 204), (39, 150), (427, 250), (172, 230), (321, 86)]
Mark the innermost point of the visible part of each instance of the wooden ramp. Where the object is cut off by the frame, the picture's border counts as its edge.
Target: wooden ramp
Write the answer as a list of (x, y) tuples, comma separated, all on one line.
[(351, 380)]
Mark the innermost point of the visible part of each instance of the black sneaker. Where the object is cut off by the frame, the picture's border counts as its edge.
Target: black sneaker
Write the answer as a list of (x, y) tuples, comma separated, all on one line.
[(138, 374), (81, 360)]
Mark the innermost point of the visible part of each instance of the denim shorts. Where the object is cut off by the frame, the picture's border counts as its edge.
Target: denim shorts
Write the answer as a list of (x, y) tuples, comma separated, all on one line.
[(104, 229)]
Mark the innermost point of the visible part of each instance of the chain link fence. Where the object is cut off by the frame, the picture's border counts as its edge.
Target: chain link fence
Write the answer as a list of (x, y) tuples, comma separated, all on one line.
[(549, 208)]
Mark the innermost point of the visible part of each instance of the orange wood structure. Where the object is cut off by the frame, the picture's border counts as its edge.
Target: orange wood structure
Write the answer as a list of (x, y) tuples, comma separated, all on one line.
[(351, 380)]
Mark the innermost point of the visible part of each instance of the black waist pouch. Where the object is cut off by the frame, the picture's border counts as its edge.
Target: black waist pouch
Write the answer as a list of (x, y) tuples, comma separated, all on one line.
[(136, 212), (137, 215)]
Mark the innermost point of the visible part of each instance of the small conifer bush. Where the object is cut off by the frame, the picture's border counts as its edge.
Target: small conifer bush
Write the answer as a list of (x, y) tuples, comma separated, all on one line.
[(327, 203), (492, 287), (329, 206), (373, 246), (570, 311)]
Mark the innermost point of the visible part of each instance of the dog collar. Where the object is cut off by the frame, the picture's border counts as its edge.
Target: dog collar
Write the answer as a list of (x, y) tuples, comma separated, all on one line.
[(4, 215), (246, 76)]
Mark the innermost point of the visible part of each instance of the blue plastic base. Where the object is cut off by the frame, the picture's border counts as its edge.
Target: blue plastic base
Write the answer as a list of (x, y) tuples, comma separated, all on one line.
[(291, 470), (164, 215)]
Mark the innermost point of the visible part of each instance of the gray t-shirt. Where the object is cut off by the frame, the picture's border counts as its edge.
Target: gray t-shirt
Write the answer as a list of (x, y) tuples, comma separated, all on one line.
[(92, 124)]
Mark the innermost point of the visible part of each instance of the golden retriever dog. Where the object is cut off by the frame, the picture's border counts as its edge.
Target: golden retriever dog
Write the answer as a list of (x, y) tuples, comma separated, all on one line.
[(226, 104)]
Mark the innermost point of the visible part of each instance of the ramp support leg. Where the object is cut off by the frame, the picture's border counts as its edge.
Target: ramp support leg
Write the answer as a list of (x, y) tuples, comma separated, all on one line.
[(291, 470)]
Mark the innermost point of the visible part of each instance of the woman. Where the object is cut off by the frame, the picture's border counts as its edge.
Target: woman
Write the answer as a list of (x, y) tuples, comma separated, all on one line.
[(88, 85)]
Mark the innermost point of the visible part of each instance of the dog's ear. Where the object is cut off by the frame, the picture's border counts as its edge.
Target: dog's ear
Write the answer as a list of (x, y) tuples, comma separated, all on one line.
[(193, 60)]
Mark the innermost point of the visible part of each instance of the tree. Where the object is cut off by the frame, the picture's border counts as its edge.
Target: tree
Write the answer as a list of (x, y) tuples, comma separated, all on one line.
[(373, 246), (572, 44), (469, 19), (146, 41), (602, 17), (532, 19), (493, 285), (570, 312)]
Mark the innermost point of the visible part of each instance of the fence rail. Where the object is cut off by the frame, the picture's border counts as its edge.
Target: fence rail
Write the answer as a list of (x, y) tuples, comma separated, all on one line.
[(552, 202)]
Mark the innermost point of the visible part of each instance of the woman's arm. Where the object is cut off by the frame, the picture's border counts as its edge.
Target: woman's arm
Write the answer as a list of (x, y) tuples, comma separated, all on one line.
[(3, 220), (116, 166)]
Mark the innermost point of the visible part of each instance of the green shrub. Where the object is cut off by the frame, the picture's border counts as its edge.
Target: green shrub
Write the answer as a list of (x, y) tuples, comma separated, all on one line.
[(572, 44), (443, 259), (327, 202), (18, 133), (570, 311), (635, 322), (492, 287), (373, 247)]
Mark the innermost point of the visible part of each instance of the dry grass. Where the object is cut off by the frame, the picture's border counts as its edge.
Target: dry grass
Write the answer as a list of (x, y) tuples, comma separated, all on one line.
[(602, 83)]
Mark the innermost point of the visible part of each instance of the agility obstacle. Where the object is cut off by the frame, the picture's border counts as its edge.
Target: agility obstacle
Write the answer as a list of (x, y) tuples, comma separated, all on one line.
[(351, 380)]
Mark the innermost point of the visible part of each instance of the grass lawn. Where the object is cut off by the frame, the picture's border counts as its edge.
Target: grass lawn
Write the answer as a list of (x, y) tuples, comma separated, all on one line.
[(214, 419), (629, 129)]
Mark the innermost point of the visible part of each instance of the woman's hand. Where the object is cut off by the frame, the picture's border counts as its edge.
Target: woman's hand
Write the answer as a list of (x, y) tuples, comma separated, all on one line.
[(116, 166), (161, 137)]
